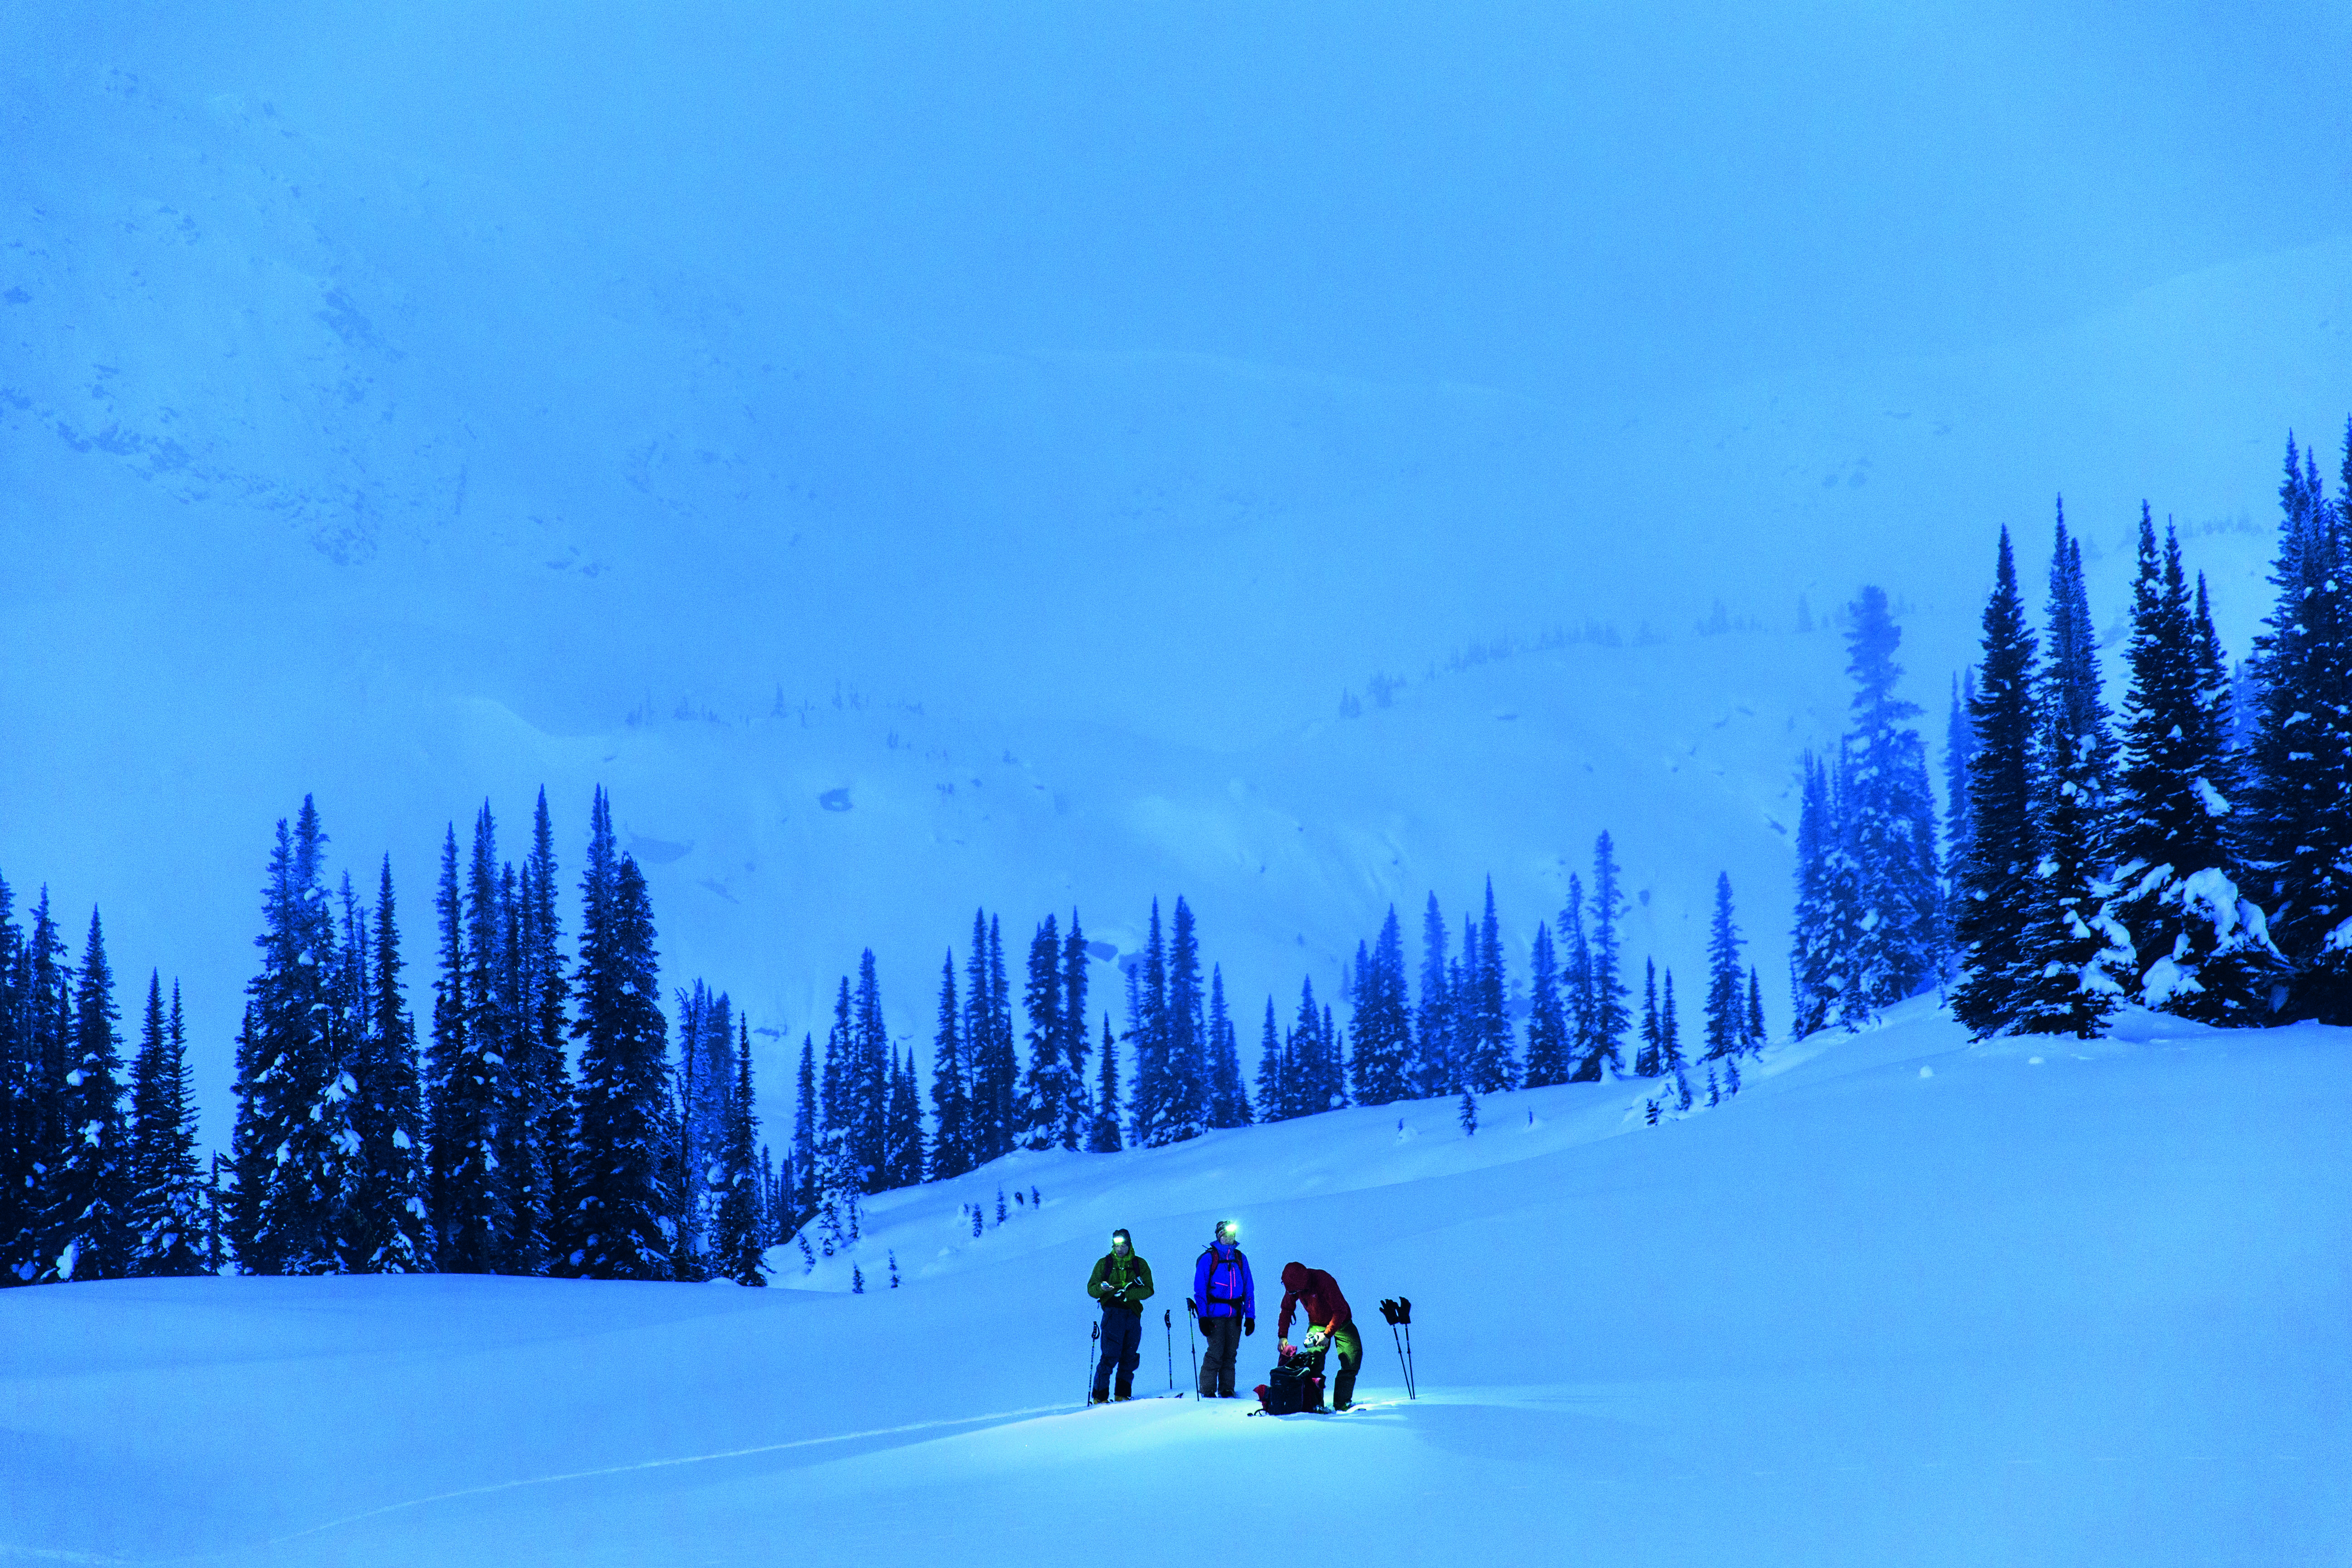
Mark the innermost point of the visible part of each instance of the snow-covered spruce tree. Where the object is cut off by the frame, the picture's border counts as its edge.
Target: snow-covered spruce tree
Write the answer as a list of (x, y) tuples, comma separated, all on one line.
[(542, 1075), (1274, 1088), (902, 1155), (1960, 818), (951, 1152), (1187, 1064), (2296, 837), (2200, 949), (89, 1235), (2070, 949), (1149, 1109), (1649, 1061), (1817, 960), (1754, 1036), (1434, 1069), (1991, 885), (1466, 1114), (1889, 819), (302, 1151), (20, 1094), (808, 1193), (997, 1067), (738, 1241), (45, 1038), (1726, 1006), (1384, 1021), (705, 1075), (623, 1220), (166, 1202), (1489, 1066), (1548, 1044), (1576, 975), (1044, 1092), (387, 1228), (1670, 1029), (1103, 1138), (472, 1219), (1077, 1109), (983, 1130), (1229, 1104), (1604, 1045), (840, 1178), (868, 1082)]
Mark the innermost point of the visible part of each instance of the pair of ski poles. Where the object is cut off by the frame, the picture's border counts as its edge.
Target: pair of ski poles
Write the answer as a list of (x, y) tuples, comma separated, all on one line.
[(1399, 1312)]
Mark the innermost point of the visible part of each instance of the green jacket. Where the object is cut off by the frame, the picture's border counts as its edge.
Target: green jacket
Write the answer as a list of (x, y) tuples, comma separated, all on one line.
[(1120, 1282)]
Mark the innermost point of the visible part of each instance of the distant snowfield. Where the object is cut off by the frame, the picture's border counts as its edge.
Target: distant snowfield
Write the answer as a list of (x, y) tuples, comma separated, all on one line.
[(1904, 1300)]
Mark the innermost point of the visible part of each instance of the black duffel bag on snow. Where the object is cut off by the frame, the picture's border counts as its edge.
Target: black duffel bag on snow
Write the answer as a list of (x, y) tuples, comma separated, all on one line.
[(1295, 1383)]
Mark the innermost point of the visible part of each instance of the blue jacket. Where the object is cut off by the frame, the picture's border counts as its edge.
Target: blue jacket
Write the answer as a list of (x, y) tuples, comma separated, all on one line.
[(1220, 1282)]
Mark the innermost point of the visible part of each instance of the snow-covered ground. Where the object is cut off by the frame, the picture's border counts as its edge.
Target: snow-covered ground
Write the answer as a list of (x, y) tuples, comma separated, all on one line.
[(1903, 1301)]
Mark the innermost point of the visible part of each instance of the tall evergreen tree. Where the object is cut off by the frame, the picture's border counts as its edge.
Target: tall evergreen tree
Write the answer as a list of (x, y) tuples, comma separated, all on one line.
[(1959, 817), (1819, 956), (1383, 1022), (1548, 1041), (1104, 1139), (1756, 1037), (1650, 1061), (388, 1227), (1993, 887), (1275, 1096), (1577, 1002), (165, 1213), (1670, 1030), (1148, 1113), (1434, 1067), (90, 1236), (737, 1236), (1229, 1103), (1186, 1055), (2295, 835), (301, 1148), (950, 1096), (2199, 948), (1045, 1093), (540, 1113), (1489, 1066), (1726, 1006), (623, 1071), (1077, 1115), (2069, 948), (472, 1217), (903, 1153), (1889, 819), (1604, 1044), (807, 1190)]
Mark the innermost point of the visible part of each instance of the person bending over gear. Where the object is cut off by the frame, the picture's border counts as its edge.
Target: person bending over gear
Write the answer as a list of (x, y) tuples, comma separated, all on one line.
[(1329, 1323), (1227, 1304), (1121, 1280)]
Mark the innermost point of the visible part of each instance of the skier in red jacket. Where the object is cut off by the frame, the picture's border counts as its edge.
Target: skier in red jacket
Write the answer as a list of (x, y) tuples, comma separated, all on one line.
[(1329, 1321)]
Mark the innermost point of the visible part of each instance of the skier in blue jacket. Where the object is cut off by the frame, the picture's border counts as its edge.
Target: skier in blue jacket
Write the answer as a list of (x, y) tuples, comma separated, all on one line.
[(1226, 1303)]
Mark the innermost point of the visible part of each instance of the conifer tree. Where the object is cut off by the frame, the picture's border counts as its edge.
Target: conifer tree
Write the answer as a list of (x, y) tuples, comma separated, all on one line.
[(1229, 1103), (473, 1216), (950, 1099), (303, 1154), (2070, 948), (1078, 1116), (388, 1229), (868, 1081), (1383, 1022), (807, 1191), (1817, 961), (1150, 1113), (165, 1213), (1466, 1114), (1604, 1045), (542, 1077), (1959, 746), (1754, 1038), (1434, 1067), (1274, 1097), (1670, 1030), (1548, 1042), (994, 1070), (1889, 820), (2199, 948), (48, 1045), (90, 1236), (1187, 1063), (903, 1155), (2296, 837), (1490, 1067), (737, 1253), (623, 1071), (1726, 1006), (1577, 1002), (1650, 1061), (21, 1093), (1045, 1095), (1104, 1138)]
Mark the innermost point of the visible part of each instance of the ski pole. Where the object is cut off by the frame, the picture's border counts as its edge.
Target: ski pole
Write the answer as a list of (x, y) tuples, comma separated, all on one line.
[(1167, 1322), (1191, 1349), (1094, 1339)]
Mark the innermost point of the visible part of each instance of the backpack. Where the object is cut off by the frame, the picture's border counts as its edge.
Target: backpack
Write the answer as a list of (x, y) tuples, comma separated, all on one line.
[(1295, 1385)]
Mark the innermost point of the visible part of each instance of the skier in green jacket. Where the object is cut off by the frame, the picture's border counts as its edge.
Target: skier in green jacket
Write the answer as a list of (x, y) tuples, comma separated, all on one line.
[(1122, 1281)]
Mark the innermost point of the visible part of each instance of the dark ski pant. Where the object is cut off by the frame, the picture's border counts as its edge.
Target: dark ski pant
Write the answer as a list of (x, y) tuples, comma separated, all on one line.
[(1351, 1346), (1123, 1347), (1224, 1337)]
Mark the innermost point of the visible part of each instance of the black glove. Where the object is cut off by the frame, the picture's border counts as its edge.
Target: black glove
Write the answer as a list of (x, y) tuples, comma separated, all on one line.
[(1249, 1325)]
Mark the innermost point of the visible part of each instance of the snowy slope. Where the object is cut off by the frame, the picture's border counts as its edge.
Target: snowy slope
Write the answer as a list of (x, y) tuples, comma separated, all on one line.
[(1904, 1301)]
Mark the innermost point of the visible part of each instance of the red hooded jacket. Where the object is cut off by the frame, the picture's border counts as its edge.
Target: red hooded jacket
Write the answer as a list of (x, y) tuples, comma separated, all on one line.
[(1316, 1291)]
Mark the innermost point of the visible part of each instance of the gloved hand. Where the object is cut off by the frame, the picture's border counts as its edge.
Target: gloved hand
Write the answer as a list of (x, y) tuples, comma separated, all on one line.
[(1249, 1325), (1314, 1338)]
